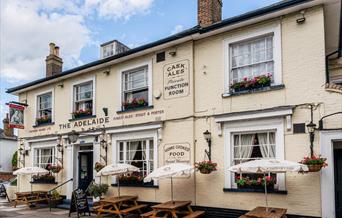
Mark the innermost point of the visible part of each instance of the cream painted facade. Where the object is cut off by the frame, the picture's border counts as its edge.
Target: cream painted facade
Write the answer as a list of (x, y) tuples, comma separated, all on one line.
[(299, 80)]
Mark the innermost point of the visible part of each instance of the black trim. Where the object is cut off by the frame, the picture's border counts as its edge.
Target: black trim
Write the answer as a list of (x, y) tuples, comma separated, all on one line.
[(44, 124), (255, 191), (137, 185), (135, 109), (258, 90), (197, 29), (42, 182), (82, 118), (340, 38)]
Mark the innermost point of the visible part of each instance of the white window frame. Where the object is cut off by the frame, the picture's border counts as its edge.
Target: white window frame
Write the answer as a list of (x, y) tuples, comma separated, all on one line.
[(138, 135), (52, 103), (73, 93), (36, 147), (276, 124), (274, 29), (149, 81)]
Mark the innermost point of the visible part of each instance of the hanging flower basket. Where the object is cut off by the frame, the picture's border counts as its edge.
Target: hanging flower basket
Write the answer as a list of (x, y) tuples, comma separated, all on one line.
[(314, 163), (206, 167), (99, 166)]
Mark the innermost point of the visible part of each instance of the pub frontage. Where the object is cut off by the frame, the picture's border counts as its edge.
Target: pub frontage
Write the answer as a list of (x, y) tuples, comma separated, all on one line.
[(183, 99)]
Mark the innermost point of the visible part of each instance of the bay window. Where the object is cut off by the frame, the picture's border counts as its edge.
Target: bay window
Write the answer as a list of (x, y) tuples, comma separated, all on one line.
[(43, 156)]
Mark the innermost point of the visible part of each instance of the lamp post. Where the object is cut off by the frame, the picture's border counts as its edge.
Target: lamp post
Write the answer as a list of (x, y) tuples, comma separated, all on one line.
[(60, 149), (21, 151), (104, 145), (207, 137), (311, 129)]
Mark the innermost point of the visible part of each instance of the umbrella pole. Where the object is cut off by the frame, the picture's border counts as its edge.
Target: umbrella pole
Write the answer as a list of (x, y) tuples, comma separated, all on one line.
[(172, 190), (266, 192), (31, 182), (119, 187)]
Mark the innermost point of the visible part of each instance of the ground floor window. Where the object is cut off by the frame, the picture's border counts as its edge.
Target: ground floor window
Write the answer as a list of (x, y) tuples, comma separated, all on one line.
[(139, 153), (43, 156), (252, 146)]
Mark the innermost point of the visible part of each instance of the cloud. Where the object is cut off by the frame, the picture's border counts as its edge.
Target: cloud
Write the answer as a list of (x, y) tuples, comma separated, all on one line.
[(117, 9), (27, 28), (178, 28)]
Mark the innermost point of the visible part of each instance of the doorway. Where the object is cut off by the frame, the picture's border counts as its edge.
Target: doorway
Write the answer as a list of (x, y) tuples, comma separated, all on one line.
[(338, 178), (85, 169)]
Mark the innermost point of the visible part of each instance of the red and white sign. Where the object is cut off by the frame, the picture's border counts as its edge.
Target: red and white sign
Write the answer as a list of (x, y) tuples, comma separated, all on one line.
[(16, 116)]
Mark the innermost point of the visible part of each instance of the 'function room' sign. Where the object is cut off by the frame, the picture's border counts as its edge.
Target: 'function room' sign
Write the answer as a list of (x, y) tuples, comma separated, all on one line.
[(176, 79)]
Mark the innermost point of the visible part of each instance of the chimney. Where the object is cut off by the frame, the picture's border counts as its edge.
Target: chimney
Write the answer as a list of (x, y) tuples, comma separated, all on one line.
[(209, 12), (7, 130), (53, 62)]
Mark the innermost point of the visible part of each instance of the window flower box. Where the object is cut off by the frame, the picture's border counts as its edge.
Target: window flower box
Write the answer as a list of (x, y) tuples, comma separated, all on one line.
[(82, 113), (255, 184), (43, 120), (257, 82), (134, 179), (134, 103), (54, 168), (47, 179)]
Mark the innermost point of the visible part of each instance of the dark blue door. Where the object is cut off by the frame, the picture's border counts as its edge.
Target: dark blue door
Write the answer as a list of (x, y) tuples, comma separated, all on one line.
[(338, 182), (85, 169)]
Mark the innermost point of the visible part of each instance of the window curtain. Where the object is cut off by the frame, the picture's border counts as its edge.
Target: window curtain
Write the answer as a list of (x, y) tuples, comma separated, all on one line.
[(272, 144), (133, 147), (246, 146), (263, 143), (46, 157)]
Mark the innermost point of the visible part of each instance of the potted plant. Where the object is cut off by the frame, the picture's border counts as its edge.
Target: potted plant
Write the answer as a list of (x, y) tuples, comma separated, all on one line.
[(15, 161), (55, 198), (314, 163), (43, 120), (206, 167), (97, 190), (82, 113), (134, 103), (98, 166), (55, 168)]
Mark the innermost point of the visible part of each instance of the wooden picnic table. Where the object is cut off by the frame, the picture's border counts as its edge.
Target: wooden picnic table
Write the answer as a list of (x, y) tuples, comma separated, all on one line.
[(31, 197), (260, 212), (118, 205), (174, 209)]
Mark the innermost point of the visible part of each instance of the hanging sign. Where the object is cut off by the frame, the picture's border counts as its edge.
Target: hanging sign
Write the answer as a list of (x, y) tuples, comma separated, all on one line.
[(177, 152), (16, 116), (176, 79)]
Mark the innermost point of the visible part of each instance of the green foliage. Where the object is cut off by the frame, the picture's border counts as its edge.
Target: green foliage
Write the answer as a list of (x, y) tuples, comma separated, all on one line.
[(14, 182), (97, 190), (15, 160), (55, 195)]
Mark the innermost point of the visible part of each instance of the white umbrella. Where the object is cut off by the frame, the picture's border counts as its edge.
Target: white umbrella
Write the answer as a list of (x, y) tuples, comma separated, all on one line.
[(169, 171), (31, 171), (117, 169), (268, 166)]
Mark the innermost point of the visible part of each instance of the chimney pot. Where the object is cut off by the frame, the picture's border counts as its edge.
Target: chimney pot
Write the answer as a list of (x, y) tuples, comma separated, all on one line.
[(57, 51), (52, 48), (209, 12)]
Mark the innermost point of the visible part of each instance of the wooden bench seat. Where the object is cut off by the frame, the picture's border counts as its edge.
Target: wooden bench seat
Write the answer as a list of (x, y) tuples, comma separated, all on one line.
[(195, 214), (137, 207), (149, 214)]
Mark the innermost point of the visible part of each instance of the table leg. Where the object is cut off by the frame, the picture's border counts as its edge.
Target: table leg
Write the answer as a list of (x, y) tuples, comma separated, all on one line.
[(98, 211), (190, 209), (174, 215)]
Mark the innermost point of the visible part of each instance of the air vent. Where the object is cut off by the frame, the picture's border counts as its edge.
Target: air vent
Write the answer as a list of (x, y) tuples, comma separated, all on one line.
[(160, 56), (299, 128)]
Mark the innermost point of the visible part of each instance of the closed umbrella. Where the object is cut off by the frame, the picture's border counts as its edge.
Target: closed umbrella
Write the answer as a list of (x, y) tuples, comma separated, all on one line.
[(31, 171), (268, 166), (169, 171), (116, 170)]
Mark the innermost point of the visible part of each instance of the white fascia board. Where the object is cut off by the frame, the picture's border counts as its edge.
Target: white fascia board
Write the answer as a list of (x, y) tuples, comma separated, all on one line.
[(135, 128), (258, 115)]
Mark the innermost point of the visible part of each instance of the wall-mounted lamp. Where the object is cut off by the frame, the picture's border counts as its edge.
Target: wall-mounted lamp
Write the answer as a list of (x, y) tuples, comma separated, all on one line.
[(173, 52), (60, 149), (311, 129), (301, 20), (105, 111), (104, 145), (207, 137), (106, 72), (22, 152)]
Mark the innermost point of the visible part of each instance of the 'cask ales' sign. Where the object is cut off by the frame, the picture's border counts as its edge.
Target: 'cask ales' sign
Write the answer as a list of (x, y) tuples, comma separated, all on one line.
[(176, 79)]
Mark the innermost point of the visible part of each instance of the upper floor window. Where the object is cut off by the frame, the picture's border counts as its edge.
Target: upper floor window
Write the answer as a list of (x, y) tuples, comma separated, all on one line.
[(107, 50), (83, 99), (252, 59), (135, 88), (44, 108)]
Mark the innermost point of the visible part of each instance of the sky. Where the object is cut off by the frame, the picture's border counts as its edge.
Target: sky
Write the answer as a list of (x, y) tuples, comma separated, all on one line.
[(78, 27)]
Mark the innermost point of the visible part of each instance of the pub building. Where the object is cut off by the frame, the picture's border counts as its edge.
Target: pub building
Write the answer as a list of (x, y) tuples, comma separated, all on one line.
[(150, 105)]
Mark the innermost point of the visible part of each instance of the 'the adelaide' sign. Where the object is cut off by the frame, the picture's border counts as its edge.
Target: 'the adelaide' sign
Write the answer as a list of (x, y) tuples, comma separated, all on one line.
[(176, 79)]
